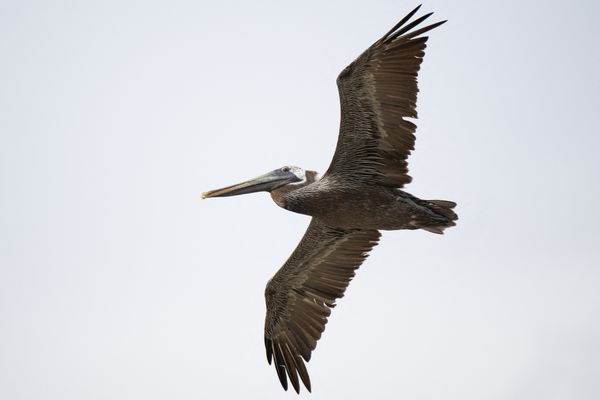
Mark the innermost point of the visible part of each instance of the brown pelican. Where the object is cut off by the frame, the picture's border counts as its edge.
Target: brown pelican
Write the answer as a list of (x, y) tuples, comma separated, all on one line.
[(357, 196)]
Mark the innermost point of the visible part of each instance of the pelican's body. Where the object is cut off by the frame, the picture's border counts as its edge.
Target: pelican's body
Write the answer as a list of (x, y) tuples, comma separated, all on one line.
[(358, 196), (370, 206)]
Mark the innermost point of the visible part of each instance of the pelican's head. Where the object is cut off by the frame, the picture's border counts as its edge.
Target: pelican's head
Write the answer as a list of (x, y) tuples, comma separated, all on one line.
[(287, 175)]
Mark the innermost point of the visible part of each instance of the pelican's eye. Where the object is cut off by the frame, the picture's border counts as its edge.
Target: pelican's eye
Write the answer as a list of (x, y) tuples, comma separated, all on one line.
[(285, 169)]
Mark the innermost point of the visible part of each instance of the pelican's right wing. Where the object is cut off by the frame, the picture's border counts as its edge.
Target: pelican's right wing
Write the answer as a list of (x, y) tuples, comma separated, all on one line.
[(301, 294)]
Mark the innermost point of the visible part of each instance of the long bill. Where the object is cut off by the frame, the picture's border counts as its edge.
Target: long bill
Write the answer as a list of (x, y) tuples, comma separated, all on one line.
[(266, 182)]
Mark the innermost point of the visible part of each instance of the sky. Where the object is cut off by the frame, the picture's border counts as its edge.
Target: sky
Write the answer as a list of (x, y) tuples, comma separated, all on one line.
[(118, 282)]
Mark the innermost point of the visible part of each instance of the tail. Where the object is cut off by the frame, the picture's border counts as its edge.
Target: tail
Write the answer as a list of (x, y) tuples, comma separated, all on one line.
[(444, 209)]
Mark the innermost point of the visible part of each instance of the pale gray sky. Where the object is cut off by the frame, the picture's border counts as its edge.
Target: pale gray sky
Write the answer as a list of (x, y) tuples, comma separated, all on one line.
[(117, 282)]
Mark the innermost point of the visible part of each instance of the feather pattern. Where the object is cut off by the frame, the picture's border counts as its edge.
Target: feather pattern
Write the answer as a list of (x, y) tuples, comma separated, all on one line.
[(378, 91), (300, 296)]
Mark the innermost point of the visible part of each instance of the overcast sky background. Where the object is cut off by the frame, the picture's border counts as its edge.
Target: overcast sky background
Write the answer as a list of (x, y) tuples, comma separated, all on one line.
[(117, 282)]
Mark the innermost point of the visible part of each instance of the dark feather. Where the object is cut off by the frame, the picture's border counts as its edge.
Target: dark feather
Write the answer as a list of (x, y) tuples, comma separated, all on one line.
[(301, 294), (378, 91)]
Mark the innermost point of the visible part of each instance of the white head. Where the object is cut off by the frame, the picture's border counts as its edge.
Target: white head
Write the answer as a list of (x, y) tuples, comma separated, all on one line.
[(304, 177)]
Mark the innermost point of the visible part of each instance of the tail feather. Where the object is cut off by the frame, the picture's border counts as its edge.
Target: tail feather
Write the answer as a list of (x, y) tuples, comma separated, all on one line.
[(444, 209)]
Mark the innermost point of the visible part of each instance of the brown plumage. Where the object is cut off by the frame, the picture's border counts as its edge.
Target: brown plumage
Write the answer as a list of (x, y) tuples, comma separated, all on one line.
[(357, 196), (377, 92), (300, 295)]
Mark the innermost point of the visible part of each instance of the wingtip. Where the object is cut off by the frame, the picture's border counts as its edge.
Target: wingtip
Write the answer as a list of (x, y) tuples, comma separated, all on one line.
[(282, 379), (269, 350), (400, 28), (307, 386), (406, 18)]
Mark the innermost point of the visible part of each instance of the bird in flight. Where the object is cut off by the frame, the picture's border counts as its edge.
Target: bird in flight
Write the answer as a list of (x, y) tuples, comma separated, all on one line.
[(359, 195)]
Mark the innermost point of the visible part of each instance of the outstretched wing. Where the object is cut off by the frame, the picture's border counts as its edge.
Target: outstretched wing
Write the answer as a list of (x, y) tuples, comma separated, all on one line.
[(377, 92), (301, 294)]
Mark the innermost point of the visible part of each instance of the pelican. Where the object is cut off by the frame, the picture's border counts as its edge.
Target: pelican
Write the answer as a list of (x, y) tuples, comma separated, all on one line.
[(359, 195)]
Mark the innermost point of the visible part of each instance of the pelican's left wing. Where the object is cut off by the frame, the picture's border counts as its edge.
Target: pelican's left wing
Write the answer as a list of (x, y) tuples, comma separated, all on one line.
[(301, 294), (378, 92)]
